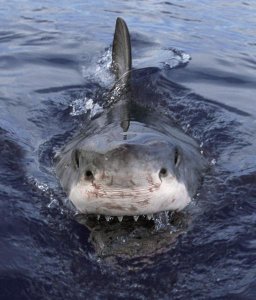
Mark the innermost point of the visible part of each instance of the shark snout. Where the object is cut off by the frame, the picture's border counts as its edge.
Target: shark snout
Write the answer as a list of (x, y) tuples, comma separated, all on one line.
[(129, 165)]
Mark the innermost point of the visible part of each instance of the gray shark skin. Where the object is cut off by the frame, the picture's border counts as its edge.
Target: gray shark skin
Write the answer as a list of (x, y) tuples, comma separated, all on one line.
[(132, 160)]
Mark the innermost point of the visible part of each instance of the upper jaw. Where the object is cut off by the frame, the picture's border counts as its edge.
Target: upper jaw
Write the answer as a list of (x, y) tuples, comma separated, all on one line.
[(120, 218)]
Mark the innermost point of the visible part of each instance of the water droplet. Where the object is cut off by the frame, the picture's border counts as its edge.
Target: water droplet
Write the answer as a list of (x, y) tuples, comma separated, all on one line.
[(213, 162)]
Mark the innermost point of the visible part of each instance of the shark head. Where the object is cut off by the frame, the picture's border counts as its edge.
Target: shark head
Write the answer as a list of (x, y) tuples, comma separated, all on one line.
[(145, 173)]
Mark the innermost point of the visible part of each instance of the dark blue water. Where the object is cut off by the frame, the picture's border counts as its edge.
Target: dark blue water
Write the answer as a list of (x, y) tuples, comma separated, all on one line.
[(54, 59)]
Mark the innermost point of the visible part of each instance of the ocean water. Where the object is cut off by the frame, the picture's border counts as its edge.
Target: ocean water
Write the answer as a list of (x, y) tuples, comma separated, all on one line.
[(54, 64)]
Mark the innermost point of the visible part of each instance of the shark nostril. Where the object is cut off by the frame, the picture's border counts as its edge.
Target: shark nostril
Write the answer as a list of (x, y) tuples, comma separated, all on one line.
[(163, 172), (88, 175)]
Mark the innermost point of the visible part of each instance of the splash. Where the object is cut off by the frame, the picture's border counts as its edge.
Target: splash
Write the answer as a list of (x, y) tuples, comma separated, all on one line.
[(84, 105), (100, 70), (177, 58)]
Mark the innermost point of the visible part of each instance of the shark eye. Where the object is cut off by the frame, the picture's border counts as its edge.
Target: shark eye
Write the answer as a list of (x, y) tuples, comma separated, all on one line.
[(176, 157), (88, 175), (163, 172)]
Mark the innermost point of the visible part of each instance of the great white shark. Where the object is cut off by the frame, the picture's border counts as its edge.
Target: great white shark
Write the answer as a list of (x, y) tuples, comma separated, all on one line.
[(131, 160)]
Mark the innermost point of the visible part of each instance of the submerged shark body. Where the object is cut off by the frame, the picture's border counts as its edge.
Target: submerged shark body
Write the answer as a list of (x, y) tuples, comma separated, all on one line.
[(132, 160)]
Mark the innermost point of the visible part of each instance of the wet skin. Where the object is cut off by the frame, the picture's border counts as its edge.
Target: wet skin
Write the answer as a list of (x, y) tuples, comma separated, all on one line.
[(130, 161)]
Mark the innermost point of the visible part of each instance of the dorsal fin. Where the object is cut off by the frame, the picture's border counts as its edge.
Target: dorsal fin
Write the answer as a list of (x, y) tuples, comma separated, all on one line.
[(121, 50)]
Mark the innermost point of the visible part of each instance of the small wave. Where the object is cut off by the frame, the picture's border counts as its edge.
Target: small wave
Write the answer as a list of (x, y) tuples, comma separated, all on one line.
[(161, 58)]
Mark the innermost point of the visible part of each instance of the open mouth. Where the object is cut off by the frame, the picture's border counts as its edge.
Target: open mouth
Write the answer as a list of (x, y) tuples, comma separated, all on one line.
[(131, 237), (121, 218), (170, 217), (110, 220)]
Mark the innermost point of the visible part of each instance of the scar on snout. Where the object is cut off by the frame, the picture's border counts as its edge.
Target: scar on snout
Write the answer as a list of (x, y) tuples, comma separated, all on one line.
[(95, 193), (105, 176), (150, 180), (153, 186), (97, 187), (132, 182), (144, 202), (133, 208), (113, 206)]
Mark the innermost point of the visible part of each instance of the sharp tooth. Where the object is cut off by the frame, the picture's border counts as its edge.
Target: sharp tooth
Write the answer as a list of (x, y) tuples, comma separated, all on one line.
[(120, 219), (135, 218), (98, 217), (107, 218), (149, 217)]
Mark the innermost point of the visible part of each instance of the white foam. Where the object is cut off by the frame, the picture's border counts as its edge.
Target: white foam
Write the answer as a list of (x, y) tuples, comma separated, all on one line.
[(177, 58), (100, 70), (78, 107), (213, 162), (95, 110), (82, 106)]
